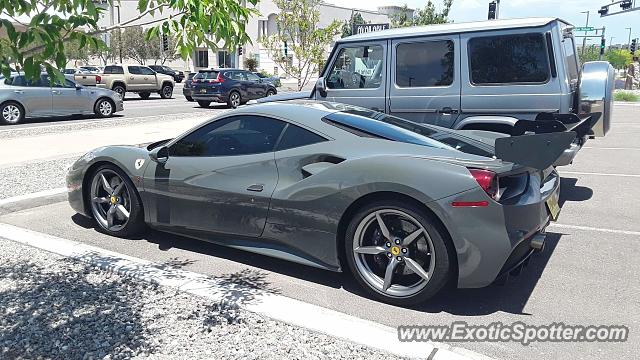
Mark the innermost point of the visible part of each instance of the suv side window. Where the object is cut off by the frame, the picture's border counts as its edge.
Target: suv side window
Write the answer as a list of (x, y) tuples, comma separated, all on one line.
[(252, 77), (146, 71), (505, 59), (295, 136), (113, 70), (234, 135), (424, 64), (358, 67)]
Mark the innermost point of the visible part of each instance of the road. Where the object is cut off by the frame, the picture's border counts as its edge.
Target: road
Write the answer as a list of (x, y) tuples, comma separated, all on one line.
[(586, 275)]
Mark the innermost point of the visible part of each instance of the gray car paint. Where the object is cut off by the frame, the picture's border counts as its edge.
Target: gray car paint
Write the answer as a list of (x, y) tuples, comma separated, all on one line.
[(45, 101), (305, 215)]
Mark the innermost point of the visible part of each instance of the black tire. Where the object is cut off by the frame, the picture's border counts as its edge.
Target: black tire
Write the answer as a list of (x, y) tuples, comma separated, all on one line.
[(120, 90), (144, 95), (271, 92), (135, 225), (189, 98), (444, 252), (203, 103), (166, 92), (232, 101), (104, 108), (11, 113)]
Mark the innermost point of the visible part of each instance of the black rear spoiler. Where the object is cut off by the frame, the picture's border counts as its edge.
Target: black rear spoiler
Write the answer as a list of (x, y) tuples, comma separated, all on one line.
[(538, 144)]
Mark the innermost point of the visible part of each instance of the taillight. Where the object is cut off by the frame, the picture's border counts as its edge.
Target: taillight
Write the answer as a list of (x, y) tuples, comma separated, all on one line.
[(488, 181), (98, 79), (218, 79)]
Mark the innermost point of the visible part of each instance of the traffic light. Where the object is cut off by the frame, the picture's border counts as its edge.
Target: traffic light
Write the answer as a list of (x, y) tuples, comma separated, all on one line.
[(626, 4), (286, 49), (240, 50), (492, 10), (165, 42), (603, 10), (632, 47), (603, 45)]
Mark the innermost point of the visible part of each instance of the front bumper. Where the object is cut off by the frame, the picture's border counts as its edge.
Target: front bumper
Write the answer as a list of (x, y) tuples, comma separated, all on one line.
[(119, 104)]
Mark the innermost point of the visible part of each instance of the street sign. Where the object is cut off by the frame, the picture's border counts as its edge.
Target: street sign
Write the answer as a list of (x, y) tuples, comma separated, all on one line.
[(366, 28), (584, 28)]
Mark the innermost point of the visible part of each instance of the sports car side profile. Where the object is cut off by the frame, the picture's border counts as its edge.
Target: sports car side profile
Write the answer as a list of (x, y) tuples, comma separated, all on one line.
[(405, 207)]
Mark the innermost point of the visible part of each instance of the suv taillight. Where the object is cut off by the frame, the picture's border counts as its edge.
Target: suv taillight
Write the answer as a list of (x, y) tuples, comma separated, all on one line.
[(98, 79), (218, 79), (488, 181)]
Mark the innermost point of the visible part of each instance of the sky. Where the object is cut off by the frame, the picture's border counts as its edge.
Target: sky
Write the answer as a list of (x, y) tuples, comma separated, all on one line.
[(569, 10)]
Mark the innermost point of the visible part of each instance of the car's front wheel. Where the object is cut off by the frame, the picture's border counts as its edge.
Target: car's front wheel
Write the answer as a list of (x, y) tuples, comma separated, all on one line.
[(115, 204), (397, 253), (166, 92), (11, 113), (104, 108)]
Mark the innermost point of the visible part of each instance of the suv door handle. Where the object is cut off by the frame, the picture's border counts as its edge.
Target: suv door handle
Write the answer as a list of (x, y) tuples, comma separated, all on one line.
[(447, 111), (18, 91), (256, 187)]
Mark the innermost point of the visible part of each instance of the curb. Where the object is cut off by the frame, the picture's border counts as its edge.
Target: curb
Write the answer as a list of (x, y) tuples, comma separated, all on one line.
[(28, 201), (277, 307)]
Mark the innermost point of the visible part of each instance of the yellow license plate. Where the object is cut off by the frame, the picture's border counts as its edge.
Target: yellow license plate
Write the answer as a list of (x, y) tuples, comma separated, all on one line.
[(553, 206)]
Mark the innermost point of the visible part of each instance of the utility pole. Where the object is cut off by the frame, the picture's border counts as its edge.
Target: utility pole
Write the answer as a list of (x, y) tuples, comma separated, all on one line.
[(611, 41), (629, 41), (584, 40), (119, 35)]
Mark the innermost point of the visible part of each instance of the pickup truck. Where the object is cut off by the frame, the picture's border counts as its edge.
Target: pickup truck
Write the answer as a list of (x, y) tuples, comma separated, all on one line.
[(130, 78)]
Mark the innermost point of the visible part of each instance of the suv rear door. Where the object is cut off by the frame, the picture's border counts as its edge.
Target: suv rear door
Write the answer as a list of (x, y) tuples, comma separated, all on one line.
[(357, 75), (425, 81)]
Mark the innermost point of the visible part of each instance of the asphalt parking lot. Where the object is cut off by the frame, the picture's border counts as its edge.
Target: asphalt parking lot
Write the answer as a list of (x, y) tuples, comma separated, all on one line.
[(586, 275)]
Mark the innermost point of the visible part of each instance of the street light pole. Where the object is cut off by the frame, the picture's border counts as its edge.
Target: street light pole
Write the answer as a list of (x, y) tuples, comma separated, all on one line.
[(629, 40), (119, 35), (584, 40), (611, 41)]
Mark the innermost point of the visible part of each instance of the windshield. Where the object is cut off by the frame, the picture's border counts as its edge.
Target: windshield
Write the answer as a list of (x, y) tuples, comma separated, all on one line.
[(206, 75)]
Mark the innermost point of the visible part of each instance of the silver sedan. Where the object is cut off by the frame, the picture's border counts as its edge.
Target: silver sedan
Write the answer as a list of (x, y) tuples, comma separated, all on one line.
[(21, 98)]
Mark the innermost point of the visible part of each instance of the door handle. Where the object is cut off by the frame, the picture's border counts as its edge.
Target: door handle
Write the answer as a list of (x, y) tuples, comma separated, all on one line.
[(57, 92), (447, 111), (256, 187), (18, 91), (131, 78)]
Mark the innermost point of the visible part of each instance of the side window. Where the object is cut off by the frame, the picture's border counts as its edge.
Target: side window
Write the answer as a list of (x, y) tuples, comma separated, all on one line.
[(359, 67), (508, 59), (295, 136), (134, 70), (237, 75), (113, 70), (146, 71), (424, 64), (252, 77), (235, 135)]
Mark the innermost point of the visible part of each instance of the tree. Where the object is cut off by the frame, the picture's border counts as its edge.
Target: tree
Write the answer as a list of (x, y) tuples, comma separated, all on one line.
[(159, 55), (347, 26), (590, 53), (251, 64), (426, 16), (299, 46), (619, 58), (136, 47), (54, 23)]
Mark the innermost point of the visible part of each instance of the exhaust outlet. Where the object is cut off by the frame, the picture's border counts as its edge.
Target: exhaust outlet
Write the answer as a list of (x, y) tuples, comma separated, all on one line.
[(537, 243)]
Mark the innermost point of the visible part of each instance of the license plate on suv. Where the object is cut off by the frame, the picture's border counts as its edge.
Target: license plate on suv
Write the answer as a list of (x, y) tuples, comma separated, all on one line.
[(553, 206)]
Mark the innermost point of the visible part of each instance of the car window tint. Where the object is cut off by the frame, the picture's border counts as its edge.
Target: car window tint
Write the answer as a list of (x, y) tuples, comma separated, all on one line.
[(252, 77), (134, 70), (146, 71), (295, 136), (358, 67), (238, 75), (236, 135), (423, 64), (113, 70), (206, 75), (507, 59)]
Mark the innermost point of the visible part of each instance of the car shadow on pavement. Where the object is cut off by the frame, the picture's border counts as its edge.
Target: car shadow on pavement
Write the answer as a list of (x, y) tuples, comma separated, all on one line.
[(569, 191), (63, 119)]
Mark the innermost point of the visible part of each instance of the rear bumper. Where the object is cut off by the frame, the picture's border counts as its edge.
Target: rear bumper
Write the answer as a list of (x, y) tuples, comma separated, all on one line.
[(568, 155), (213, 97)]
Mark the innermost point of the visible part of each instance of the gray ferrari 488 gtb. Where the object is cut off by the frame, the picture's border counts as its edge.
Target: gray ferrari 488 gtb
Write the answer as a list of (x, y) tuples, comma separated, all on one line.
[(405, 207)]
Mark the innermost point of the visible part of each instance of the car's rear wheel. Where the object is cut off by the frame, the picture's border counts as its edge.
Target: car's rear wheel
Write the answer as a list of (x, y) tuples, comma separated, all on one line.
[(120, 90), (11, 113), (204, 103), (144, 95), (234, 99), (115, 204), (396, 252), (104, 108), (166, 92), (189, 98)]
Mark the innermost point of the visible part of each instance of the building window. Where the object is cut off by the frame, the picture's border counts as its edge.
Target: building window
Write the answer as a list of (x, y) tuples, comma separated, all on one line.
[(226, 59), (202, 59), (509, 59), (424, 64)]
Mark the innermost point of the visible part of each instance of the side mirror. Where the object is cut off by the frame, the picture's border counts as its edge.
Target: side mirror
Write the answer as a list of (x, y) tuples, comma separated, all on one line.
[(321, 86), (159, 154), (78, 86)]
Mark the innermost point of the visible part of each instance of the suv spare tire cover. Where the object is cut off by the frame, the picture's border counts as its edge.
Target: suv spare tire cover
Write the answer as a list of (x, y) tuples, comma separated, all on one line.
[(595, 91)]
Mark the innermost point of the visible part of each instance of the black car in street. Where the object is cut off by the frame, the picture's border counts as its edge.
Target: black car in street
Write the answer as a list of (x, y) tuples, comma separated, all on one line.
[(178, 76), (187, 90), (231, 86)]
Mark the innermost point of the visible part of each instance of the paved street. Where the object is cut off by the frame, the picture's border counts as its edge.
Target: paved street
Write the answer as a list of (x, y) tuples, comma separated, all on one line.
[(586, 275)]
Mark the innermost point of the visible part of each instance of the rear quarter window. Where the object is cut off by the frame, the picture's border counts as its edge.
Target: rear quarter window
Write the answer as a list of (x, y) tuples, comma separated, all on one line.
[(509, 59)]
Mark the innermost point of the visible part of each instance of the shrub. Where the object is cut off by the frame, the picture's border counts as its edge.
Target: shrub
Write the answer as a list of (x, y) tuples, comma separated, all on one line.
[(626, 96)]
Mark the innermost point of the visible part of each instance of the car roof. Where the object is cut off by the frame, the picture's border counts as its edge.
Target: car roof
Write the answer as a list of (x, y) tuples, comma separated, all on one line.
[(462, 27)]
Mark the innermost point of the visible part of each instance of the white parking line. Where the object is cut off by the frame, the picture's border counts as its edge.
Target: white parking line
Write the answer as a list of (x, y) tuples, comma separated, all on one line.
[(589, 228), (598, 174), (32, 196), (610, 148), (275, 306)]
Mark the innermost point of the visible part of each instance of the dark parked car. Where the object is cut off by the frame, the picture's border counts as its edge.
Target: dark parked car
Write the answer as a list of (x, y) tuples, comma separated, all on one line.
[(187, 90), (178, 76), (233, 86), (275, 80)]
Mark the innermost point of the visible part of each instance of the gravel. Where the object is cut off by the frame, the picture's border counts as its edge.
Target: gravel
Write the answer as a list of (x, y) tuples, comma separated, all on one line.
[(51, 307), (31, 177)]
